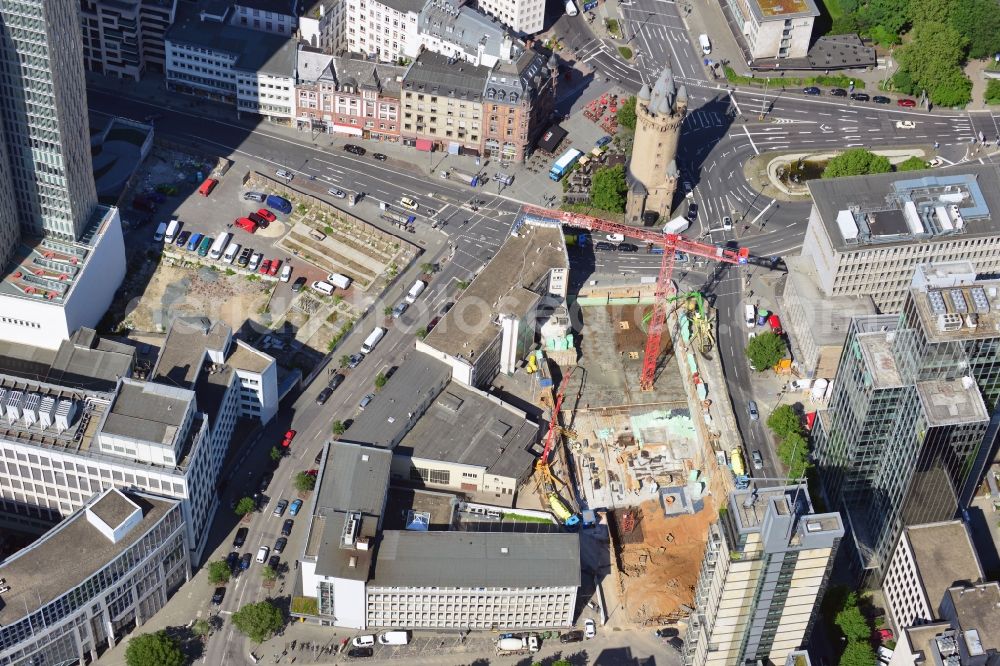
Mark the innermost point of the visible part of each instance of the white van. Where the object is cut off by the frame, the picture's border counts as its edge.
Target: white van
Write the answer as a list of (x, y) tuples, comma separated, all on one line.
[(262, 554), (750, 315), (415, 291), (231, 253), (173, 229), (706, 46), (161, 231), (219, 246), (338, 280), (369, 344), (323, 287)]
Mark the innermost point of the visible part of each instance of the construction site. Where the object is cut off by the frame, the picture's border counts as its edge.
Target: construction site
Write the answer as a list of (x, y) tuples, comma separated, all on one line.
[(634, 441)]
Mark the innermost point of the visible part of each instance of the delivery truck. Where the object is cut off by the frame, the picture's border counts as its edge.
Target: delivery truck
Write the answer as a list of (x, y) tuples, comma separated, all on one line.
[(394, 637), (339, 280), (415, 291), (464, 177), (510, 644), (677, 225)]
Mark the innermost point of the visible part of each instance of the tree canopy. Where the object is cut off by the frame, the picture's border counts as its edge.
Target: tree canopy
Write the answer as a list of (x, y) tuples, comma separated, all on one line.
[(219, 572), (608, 189), (978, 20), (793, 450), (911, 164), (932, 61), (765, 350), (626, 113), (245, 505), (258, 621), (156, 649), (305, 482), (856, 162), (784, 421)]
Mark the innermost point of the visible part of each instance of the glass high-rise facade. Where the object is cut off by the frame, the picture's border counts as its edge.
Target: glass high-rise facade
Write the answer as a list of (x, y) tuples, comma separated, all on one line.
[(43, 120), (912, 421)]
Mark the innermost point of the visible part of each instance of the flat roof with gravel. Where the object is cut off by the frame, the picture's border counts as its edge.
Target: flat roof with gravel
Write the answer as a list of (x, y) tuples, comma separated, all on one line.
[(148, 412), (944, 555)]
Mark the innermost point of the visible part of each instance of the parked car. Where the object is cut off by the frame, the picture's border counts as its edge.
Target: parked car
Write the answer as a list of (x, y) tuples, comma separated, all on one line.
[(218, 596), (367, 640), (265, 481), (299, 284), (603, 246), (589, 628), (286, 273), (334, 192), (262, 554), (881, 99), (245, 561), (603, 141), (279, 508), (400, 308), (356, 150), (255, 260), (324, 395), (692, 213), (289, 436), (182, 238), (240, 538), (244, 257), (727, 223), (752, 411), (254, 196), (357, 652), (272, 270), (812, 90), (666, 632), (254, 219), (860, 97), (571, 637), (380, 157), (279, 545), (365, 401), (907, 103), (284, 173), (335, 381), (838, 92), (432, 323), (274, 562), (267, 215), (354, 360), (905, 124), (757, 459), (293, 510), (627, 247), (286, 528), (233, 560)]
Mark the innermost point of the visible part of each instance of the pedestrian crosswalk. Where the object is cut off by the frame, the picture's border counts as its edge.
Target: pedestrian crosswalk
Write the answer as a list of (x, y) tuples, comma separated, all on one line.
[(705, 119)]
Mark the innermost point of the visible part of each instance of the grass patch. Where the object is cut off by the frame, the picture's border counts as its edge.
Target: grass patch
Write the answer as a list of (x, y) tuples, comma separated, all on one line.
[(613, 27), (305, 605), (626, 52), (993, 91), (520, 517), (838, 81)]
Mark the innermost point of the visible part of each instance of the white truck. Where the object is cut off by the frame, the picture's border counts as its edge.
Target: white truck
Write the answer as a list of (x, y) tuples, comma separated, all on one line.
[(415, 291), (338, 280), (511, 644), (369, 344), (394, 638), (677, 225), (173, 229)]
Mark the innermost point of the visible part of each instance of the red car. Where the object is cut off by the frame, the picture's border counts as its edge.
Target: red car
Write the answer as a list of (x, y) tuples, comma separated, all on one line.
[(246, 224), (275, 265), (267, 215), (883, 634), (908, 103), (265, 267), (774, 323), (289, 436)]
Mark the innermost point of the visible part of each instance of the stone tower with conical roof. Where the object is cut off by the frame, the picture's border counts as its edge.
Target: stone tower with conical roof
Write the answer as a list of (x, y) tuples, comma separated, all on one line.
[(652, 170)]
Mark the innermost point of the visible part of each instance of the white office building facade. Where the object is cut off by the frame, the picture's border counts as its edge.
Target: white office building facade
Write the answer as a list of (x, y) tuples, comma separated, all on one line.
[(382, 30)]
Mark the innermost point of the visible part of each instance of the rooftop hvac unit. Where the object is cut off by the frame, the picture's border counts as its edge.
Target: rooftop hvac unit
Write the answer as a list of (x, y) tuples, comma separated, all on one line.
[(45, 412), (14, 401), (64, 414), (980, 304), (971, 320), (951, 321), (351, 525), (30, 412), (958, 303)]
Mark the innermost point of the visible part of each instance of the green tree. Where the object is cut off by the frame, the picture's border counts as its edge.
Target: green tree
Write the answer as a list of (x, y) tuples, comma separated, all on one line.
[(608, 189), (156, 649), (201, 628), (856, 162), (884, 20), (339, 428), (912, 164), (387, 310), (951, 88), (218, 572), (931, 11), (421, 332), (626, 113), (245, 506), (858, 653), (259, 621), (427, 267), (978, 20), (993, 91), (305, 482), (933, 59), (344, 360), (275, 454), (794, 452), (380, 380), (784, 421), (851, 622), (765, 350), (269, 574)]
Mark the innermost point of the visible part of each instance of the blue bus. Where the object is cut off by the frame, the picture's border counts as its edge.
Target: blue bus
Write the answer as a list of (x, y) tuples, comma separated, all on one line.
[(564, 164)]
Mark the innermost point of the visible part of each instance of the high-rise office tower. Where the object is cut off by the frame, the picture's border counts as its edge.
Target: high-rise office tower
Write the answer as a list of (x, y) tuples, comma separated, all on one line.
[(912, 421), (767, 564), (61, 254), (43, 112)]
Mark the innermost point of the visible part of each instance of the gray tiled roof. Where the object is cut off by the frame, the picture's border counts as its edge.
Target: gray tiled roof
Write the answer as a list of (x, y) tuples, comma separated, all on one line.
[(464, 26), (477, 559), (435, 74), (359, 72)]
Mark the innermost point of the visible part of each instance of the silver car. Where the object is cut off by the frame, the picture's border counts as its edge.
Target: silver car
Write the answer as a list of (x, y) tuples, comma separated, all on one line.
[(282, 173)]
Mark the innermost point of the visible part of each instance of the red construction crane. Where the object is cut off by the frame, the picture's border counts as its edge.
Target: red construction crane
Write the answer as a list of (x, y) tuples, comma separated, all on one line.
[(543, 462), (669, 242)]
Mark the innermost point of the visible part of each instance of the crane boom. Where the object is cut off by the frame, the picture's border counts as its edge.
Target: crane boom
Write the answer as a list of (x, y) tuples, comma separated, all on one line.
[(553, 421), (670, 244)]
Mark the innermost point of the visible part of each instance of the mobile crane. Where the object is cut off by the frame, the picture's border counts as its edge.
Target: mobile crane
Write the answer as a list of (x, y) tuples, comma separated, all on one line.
[(565, 513), (669, 242)]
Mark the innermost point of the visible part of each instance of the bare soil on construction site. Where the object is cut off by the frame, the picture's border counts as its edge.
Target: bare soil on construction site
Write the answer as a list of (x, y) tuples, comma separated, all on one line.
[(660, 562)]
